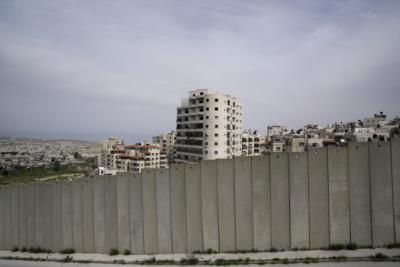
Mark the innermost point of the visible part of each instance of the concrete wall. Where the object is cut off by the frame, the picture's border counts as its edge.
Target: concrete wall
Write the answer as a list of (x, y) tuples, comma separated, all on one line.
[(282, 200)]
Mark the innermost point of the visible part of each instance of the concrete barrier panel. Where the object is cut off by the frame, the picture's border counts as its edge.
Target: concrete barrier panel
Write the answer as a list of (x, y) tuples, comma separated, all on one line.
[(338, 195), (7, 217), (77, 216), (243, 203), (226, 205), (23, 239), (280, 200), (193, 207), (39, 214), (111, 213), (48, 216), (124, 225), (299, 211), (395, 143), (164, 229), (2, 218), (99, 215), (319, 198), (15, 216), (360, 202), (209, 196), (150, 211), (30, 207), (136, 205), (67, 213), (57, 217), (88, 217), (381, 194), (261, 202), (178, 208)]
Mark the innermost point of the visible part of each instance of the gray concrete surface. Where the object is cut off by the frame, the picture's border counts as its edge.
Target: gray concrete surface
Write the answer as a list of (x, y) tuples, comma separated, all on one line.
[(48, 216), (360, 202), (396, 185), (88, 216), (261, 202), (339, 213), (57, 217), (150, 212), (381, 194), (136, 212), (178, 208), (193, 207), (280, 201), (15, 215), (123, 213), (99, 215), (77, 215), (226, 204), (299, 210), (209, 196), (243, 203), (67, 215), (164, 228)]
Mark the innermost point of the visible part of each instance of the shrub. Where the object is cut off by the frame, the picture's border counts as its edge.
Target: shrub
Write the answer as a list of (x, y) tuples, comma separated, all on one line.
[(190, 260), (67, 259), (351, 246), (336, 247), (127, 252), (151, 260), (379, 256), (68, 251), (15, 249), (113, 252), (23, 249)]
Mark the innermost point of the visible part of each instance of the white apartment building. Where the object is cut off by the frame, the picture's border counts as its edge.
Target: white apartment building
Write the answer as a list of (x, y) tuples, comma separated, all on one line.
[(167, 145), (252, 144), (209, 126), (133, 158), (276, 130)]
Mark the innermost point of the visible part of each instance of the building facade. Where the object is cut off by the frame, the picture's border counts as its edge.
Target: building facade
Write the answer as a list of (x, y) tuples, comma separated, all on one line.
[(209, 126), (253, 144), (167, 145), (115, 156)]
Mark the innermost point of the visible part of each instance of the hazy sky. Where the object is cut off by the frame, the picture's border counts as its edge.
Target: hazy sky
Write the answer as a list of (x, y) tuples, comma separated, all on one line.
[(90, 69)]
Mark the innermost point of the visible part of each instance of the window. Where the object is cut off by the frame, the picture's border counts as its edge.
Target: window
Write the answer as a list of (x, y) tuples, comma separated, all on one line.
[(215, 152), (207, 100), (206, 117), (206, 143), (216, 108), (207, 108), (205, 152), (201, 93), (216, 125), (215, 143), (216, 117), (193, 94), (206, 125), (216, 134), (216, 100)]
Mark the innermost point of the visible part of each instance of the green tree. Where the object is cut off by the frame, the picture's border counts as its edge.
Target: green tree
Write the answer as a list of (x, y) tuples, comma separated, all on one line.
[(57, 166)]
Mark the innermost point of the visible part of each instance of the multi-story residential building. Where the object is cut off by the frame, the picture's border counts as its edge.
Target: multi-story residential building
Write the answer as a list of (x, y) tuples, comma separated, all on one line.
[(276, 130), (252, 144), (167, 145), (378, 121), (209, 126), (131, 158)]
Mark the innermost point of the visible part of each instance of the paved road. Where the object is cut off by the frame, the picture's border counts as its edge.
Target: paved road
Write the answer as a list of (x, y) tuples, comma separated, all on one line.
[(6, 263)]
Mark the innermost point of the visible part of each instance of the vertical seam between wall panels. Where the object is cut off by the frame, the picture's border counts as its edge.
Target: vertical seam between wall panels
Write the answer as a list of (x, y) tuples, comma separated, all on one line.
[(308, 201), (252, 201), (155, 196), (370, 195), (329, 195), (393, 202), (143, 230), (348, 190), (170, 209), (201, 207), (290, 217), (217, 203), (129, 211), (185, 209), (234, 204), (270, 200)]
